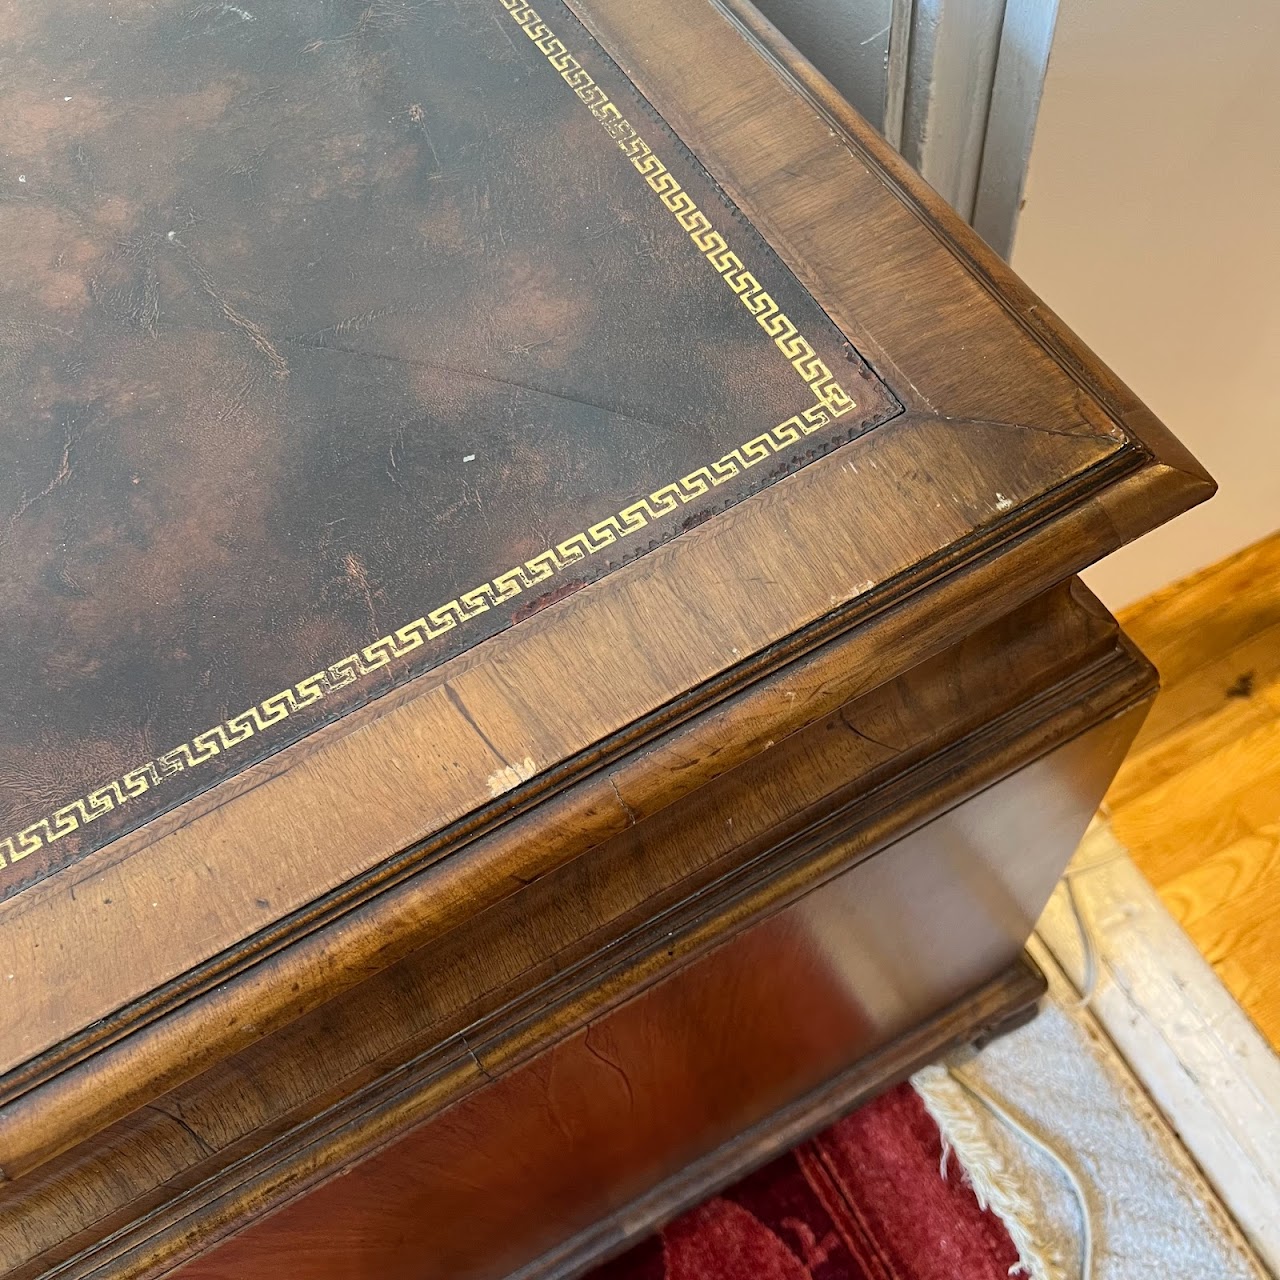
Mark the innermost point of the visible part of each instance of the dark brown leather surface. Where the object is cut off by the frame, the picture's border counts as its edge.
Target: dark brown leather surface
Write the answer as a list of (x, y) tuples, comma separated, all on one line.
[(318, 319)]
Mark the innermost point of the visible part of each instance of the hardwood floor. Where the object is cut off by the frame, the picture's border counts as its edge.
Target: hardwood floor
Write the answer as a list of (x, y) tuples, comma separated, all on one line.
[(1198, 800)]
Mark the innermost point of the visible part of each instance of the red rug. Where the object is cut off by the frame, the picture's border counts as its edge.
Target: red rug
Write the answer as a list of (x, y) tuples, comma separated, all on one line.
[(862, 1201)]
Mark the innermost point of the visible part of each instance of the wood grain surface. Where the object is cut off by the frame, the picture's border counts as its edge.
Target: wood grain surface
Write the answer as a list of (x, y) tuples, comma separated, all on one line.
[(1197, 802), (991, 756), (523, 1178), (284, 896), (741, 811)]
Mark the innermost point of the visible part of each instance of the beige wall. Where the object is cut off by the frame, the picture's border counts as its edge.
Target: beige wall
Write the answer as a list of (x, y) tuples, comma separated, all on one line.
[(1152, 226)]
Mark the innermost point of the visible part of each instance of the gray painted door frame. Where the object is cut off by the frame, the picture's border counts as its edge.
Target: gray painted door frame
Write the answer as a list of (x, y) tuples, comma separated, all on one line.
[(953, 84)]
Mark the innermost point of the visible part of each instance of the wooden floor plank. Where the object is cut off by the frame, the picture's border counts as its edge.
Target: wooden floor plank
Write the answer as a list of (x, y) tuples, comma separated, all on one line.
[(1228, 907), (1227, 680), (1213, 802), (1241, 872), (1154, 762), (1197, 803), (1203, 617)]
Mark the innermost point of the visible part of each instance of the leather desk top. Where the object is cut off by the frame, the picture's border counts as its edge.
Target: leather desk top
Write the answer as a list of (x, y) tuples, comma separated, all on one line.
[(334, 340)]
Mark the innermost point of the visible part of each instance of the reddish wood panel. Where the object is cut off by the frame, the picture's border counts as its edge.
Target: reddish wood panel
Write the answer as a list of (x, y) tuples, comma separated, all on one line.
[(556, 1144)]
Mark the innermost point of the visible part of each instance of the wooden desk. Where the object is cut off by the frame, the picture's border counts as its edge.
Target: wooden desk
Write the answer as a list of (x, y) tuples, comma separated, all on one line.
[(541, 659)]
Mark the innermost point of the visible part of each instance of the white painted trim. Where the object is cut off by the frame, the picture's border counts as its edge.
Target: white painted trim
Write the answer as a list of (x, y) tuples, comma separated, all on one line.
[(952, 84), (950, 72), (897, 70), (1192, 1047), (1026, 39)]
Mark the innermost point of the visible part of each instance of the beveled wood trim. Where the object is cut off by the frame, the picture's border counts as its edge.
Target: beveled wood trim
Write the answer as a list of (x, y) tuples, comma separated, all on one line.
[(233, 1014), (363, 931), (1095, 698), (427, 761), (1006, 999), (661, 54)]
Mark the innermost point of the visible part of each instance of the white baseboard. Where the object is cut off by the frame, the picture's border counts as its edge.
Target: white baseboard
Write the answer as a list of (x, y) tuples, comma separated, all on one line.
[(1191, 1046)]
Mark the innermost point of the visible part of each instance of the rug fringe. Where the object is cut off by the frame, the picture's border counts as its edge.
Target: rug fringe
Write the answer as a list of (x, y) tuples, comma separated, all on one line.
[(988, 1170)]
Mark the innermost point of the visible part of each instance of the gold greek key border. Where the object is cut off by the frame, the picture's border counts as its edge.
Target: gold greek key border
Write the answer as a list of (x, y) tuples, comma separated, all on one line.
[(831, 402), (710, 243)]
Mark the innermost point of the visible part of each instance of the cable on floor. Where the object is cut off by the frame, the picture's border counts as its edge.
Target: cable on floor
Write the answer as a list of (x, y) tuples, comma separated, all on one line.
[(1033, 1139)]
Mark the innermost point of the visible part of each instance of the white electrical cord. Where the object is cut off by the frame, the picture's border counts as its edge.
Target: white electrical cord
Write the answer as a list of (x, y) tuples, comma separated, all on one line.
[(1088, 947), (1029, 1136)]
